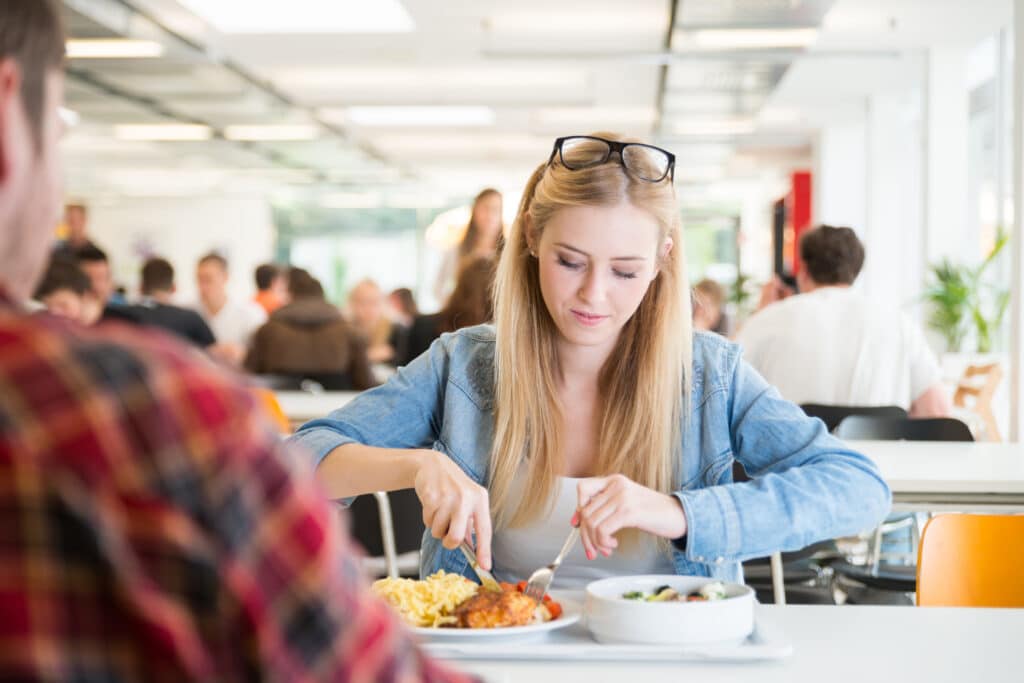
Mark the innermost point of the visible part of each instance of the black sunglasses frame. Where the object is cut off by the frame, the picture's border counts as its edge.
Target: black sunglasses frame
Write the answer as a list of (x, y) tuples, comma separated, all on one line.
[(613, 147)]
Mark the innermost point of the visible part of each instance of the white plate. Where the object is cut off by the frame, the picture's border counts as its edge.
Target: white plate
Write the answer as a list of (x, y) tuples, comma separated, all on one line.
[(571, 612)]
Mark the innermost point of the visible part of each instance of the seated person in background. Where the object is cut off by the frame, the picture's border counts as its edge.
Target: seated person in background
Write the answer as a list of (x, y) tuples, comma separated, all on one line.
[(469, 304), (384, 338), (830, 345), (271, 287), (94, 262), (308, 338), (232, 322), (154, 528), (155, 308), (66, 291), (708, 300), (403, 306)]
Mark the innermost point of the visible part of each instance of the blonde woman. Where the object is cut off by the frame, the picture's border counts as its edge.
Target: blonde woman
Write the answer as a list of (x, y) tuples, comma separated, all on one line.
[(591, 402)]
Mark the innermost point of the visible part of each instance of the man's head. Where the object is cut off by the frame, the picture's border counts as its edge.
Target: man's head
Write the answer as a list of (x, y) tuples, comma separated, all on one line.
[(75, 217), (831, 256), (157, 277), (64, 289), (94, 263), (366, 304), (31, 90), (212, 279)]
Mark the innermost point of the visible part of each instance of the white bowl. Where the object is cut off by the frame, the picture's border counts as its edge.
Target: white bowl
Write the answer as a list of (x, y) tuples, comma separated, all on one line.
[(613, 619)]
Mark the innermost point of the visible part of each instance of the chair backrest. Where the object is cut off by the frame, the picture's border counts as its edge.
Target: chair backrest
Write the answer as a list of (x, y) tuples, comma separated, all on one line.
[(971, 561), (833, 415), (406, 516), (866, 427)]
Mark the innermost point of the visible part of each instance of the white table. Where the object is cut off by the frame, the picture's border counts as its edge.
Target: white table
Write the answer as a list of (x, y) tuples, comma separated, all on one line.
[(937, 475), (834, 644), (300, 406)]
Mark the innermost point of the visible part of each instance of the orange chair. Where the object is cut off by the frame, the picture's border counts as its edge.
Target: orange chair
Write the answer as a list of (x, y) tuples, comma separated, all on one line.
[(272, 409), (971, 561)]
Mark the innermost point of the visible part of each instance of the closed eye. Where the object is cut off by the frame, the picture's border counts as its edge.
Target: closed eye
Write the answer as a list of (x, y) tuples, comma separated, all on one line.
[(571, 265), (623, 275)]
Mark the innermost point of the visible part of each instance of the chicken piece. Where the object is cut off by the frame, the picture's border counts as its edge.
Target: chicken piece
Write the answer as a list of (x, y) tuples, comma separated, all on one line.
[(490, 609)]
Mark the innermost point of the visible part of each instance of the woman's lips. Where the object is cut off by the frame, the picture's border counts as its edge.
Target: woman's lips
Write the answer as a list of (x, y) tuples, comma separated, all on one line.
[(588, 319)]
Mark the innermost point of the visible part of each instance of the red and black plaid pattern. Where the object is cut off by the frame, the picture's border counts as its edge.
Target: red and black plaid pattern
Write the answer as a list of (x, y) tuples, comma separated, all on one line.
[(151, 529)]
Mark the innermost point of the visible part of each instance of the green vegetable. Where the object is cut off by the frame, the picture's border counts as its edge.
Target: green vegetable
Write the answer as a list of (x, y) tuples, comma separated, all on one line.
[(634, 595)]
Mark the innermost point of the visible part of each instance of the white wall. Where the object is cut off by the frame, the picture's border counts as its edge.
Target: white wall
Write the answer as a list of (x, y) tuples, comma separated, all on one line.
[(182, 229)]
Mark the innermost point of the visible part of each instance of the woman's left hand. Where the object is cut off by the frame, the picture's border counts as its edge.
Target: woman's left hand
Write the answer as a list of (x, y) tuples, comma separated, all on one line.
[(608, 504)]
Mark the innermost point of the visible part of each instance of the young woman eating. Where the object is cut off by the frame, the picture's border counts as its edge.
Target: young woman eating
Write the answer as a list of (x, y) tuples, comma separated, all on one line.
[(590, 401)]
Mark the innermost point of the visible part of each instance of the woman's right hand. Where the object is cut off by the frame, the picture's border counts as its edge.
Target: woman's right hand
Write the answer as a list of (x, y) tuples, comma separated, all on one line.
[(453, 504)]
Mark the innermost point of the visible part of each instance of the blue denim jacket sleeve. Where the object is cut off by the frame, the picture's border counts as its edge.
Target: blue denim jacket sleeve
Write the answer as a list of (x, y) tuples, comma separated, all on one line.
[(402, 413), (805, 485)]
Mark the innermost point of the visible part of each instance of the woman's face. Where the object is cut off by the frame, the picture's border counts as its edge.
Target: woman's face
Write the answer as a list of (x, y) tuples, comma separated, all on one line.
[(487, 217), (596, 264)]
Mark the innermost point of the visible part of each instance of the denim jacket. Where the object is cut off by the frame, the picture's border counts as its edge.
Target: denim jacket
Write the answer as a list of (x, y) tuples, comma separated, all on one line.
[(805, 485)]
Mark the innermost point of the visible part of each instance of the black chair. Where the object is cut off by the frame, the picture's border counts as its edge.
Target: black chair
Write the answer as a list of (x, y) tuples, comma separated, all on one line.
[(398, 514), (803, 572), (833, 415), (864, 427), (875, 582)]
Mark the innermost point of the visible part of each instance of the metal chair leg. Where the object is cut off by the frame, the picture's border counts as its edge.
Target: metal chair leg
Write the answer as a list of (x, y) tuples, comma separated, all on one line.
[(778, 580), (387, 533)]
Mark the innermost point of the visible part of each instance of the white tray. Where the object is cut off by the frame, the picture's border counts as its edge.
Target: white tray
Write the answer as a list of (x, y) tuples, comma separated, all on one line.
[(576, 643)]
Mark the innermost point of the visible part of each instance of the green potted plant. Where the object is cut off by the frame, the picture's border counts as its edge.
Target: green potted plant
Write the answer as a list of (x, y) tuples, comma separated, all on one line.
[(962, 301)]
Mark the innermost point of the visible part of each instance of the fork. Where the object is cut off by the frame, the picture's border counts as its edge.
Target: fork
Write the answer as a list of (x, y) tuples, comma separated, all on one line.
[(540, 580)]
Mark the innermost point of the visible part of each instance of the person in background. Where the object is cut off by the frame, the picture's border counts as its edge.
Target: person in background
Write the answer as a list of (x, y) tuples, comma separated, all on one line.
[(233, 322), (829, 344), (94, 262), (470, 304), (76, 218), (271, 287), (366, 310), (66, 291), (157, 309), (309, 338), (708, 304), (154, 527), (403, 306), (483, 239)]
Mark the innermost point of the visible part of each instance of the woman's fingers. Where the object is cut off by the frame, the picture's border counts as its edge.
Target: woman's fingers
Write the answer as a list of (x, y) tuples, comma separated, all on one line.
[(482, 525)]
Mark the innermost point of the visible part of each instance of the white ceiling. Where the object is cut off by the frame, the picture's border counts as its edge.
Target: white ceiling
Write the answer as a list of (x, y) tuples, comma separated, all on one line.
[(544, 68)]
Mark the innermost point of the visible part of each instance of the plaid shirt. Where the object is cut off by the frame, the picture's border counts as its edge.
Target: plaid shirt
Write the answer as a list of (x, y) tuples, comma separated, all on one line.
[(150, 528)]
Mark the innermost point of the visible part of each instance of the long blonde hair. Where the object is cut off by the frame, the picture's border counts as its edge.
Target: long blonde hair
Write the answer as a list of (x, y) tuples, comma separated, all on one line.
[(644, 384)]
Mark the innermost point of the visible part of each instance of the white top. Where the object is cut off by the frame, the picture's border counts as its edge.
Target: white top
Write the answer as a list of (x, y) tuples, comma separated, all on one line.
[(518, 552), (847, 644), (236, 322), (833, 346)]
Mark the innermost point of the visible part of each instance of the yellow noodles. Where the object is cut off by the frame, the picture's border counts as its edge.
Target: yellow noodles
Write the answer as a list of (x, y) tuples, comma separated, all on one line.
[(429, 602)]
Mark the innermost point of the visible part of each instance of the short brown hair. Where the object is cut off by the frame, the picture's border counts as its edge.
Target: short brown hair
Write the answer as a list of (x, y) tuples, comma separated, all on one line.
[(157, 276), (63, 274), (302, 285), (214, 257), (832, 256), (32, 34)]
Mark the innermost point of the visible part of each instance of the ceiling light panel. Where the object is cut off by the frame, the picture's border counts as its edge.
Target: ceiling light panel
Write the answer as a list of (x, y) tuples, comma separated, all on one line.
[(303, 16), (113, 49), (744, 39)]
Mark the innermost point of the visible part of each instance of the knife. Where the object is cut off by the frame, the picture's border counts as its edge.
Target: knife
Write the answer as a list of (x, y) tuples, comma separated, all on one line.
[(486, 578)]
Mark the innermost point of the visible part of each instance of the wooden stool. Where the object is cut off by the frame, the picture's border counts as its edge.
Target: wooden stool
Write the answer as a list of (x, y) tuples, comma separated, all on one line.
[(980, 382)]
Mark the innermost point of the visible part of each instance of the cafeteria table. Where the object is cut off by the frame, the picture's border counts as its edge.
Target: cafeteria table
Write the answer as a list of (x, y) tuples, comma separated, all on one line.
[(835, 644)]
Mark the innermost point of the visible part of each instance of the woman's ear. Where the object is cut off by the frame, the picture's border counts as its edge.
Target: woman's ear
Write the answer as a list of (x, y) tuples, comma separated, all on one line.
[(663, 252), (528, 235)]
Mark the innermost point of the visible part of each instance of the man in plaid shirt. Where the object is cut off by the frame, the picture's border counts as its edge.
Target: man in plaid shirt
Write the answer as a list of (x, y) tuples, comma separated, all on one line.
[(150, 528)]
